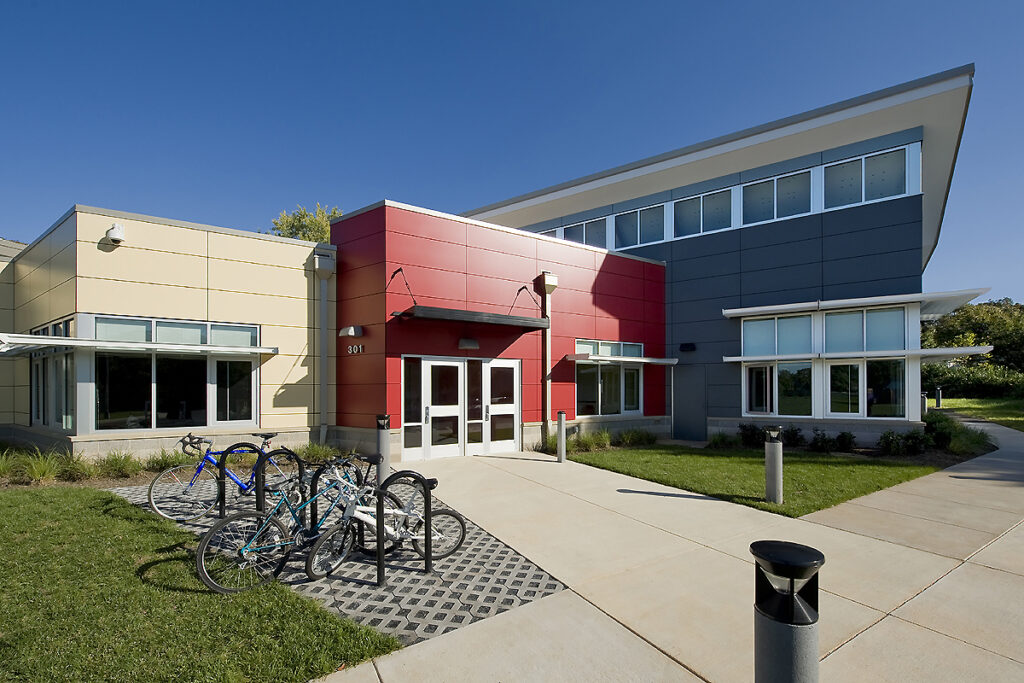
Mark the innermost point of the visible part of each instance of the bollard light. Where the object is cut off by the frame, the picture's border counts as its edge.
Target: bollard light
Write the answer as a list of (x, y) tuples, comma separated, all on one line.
[(773, 464), (785, 611), (773, 434)]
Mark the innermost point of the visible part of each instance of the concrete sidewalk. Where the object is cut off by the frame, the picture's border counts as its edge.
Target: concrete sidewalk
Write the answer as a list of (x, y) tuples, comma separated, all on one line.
[(924, 581)]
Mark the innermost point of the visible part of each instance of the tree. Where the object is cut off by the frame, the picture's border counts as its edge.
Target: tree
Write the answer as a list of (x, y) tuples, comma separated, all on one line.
[(999, 323), (303, 225)]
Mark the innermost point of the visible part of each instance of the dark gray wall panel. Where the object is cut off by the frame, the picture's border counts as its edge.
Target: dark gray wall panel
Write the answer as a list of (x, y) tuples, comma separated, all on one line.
[(781, 279), (703, 309), (723, 400), (718, 286), (724, 373), (781, 232), (789, 296), (870, 268), (779, 255), (854, 290), (721, 330), (706, 266), (875, 241), (871, 216), (712, 243), (707, 352), (688, 402)]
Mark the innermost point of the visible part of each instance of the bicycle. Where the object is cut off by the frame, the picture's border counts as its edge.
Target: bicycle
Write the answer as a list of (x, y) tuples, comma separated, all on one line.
[(187, 492), (249, 549)]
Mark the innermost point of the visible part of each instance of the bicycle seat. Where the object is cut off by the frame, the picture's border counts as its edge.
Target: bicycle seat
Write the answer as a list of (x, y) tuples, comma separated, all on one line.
[(369, 458), (266, 436)]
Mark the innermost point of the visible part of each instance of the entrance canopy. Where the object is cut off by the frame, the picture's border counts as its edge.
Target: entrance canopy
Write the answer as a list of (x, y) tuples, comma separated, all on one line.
[(22, 344), (460, 315)]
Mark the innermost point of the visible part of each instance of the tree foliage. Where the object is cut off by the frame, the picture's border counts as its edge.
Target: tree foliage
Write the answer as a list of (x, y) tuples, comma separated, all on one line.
[(304, 225), (998, 323)]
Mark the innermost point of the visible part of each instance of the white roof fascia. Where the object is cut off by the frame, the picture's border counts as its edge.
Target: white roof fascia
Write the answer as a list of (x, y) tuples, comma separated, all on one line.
[(940, 304), (15, 344), (646, 360), (934, 354)]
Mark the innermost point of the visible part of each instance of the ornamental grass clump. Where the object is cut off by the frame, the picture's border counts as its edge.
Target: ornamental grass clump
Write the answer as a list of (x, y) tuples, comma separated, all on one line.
[(119, 465)]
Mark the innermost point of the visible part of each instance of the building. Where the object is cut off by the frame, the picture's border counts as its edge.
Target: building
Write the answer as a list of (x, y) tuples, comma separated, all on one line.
[(772, 275)]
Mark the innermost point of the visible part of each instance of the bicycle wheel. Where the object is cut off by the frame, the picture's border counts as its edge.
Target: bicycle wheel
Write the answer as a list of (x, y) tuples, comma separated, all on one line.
[(174, 495), (393, 518), (242, 551), (449, 533), (330, 550)]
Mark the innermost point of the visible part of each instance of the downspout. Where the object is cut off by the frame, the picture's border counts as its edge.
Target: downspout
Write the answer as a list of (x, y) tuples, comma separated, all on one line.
[(548, 283), (324, 264)]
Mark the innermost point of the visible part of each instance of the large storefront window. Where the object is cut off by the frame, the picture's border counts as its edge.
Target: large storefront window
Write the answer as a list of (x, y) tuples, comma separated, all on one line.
[(123, 397), (180, 391), (610, 387), (52, 381), (234, 390)]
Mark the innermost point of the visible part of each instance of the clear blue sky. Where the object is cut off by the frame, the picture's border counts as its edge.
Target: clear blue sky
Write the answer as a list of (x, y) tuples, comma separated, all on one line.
[(229, 113)]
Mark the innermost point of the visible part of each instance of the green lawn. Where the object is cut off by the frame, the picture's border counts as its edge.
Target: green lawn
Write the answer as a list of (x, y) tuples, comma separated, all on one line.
[(97, 589), (811, 481), (1008, 412)]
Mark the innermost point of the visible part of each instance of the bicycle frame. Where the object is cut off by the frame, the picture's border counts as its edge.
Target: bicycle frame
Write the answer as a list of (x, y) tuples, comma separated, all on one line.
[(208, 458), (296, 519)]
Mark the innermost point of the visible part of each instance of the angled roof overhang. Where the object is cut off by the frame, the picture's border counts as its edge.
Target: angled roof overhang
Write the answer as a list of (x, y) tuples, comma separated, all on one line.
[(643, 360), (926, 355), (525, 323), (933, 304), (20, 344), (937, 103)]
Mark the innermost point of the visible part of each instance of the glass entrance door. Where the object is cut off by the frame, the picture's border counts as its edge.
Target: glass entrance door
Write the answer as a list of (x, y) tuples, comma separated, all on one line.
[(443, 415), (501, 412)]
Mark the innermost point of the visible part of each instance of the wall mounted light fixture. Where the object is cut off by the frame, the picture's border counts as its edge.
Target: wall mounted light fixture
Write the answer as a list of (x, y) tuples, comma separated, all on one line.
[(351, 331), (467, 344)]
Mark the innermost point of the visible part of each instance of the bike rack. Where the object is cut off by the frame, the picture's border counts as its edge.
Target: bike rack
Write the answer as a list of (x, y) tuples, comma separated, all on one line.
[(428, 561), (261, 479)]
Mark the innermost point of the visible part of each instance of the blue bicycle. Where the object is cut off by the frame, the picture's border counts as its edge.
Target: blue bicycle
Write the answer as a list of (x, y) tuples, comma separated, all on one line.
[(187, 492)]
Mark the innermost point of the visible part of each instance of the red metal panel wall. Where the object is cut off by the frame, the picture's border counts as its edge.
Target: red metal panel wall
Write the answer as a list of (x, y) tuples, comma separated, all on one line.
[(452, 264)]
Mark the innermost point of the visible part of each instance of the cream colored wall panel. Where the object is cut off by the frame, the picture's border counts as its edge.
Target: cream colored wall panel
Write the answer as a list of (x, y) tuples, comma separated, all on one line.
[(6, 418), (281, 369), (7, 321), (238, 307), (7, 272), (291, 340), (21, 419), (21, 399), (32, 314), (141, 265), (92, 229), (21, 371), (62, 300), (142, 299), (288, 398), (237, 276), (6, 296), (34, 285), (62, 265), (63, 235), (278, 422), (6, 402), (6, 374), (255, 250)]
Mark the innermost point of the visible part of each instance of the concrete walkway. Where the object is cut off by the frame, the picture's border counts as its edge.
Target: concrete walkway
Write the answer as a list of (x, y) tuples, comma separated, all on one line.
[(924, 581)]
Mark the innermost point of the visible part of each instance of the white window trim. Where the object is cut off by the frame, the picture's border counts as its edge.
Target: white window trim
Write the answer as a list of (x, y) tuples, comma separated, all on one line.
[(211, 392), (622, 364)]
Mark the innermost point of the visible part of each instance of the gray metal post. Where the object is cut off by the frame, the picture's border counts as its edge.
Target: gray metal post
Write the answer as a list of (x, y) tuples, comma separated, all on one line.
[(773, 464), (924, 403), (561, 436), (383, 447), (785, 612), (938, 397)]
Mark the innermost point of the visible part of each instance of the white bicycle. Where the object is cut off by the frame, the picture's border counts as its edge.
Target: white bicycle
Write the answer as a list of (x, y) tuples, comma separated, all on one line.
[(403, 521)]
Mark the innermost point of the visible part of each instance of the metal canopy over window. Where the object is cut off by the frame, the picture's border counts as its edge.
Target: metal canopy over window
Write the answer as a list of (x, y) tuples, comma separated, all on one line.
[(460, 315), (20, 344)]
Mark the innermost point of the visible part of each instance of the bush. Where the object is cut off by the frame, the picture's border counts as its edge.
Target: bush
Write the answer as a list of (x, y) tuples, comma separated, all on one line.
[(914, 442), (601, 440), (7, 460), (34, 468), (793, 436), (723, 441), (581, 443), (751, 435), (890, 443), (822, 442), (845, 442), (635, 437), (119, 465), (71, 467), (317, 452), (969, 441), (166, 459), (941, 428), (972, 381)]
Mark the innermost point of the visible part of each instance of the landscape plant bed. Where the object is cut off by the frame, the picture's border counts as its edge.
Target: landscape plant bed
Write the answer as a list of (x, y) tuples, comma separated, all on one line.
[(1008, 412), (812, 481), (98, 589)]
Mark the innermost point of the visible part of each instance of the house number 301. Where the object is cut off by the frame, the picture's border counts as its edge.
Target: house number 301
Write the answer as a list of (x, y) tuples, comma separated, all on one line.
[(355, 348)]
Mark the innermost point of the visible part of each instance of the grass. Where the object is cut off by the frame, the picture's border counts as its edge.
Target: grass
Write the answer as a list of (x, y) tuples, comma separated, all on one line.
[(98, 589), (1008, 412), (812, 481)]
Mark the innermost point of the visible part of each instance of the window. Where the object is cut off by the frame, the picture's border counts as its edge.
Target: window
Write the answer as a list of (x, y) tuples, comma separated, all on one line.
[(783, 336), (52, 380), (180, 333), (412, 402), (180, 391), (759, 389), (881, 329), (844, 388), (759, 202), (794, 389), (234, 390), (123, 385), (793, 195), (233, 335), (869, 178), (717, 211), (652, 225), (885, 329), (886, 388), (843, 184), (574, 233), (626, 225), (594, 233), (608, 387), (117, 329), (687, 217)]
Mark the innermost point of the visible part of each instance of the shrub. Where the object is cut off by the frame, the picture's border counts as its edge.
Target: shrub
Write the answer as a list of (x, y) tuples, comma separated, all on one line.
[(969, 441), (914, 442), (601, 439), (972, 381), (317, 452), (751, 435), (166, 459), (34, 468), (581, 443), (822, 442), (71, 467), (635, 437), (7, 460), (723, 441), (793, 436), (890, 443), (845, 441), (941, 428), (119, 465)]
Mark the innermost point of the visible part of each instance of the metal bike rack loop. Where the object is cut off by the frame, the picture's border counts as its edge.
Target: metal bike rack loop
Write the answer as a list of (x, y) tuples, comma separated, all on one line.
[(425, 485), (261, 479)]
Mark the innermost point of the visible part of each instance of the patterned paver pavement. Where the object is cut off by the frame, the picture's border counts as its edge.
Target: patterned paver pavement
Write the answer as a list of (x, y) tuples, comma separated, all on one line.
[(483, 578)]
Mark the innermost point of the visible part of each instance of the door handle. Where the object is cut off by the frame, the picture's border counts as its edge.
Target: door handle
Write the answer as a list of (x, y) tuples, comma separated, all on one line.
[(487, 413), (426, 416)]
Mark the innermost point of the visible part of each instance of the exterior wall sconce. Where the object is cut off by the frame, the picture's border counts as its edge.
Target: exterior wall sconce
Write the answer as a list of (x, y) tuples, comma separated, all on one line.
[(351, 331), (116, 233), (467, 344), (687, 347)]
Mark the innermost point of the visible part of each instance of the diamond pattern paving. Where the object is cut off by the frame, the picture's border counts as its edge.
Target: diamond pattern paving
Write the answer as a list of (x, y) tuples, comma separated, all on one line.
[(483, 578)]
